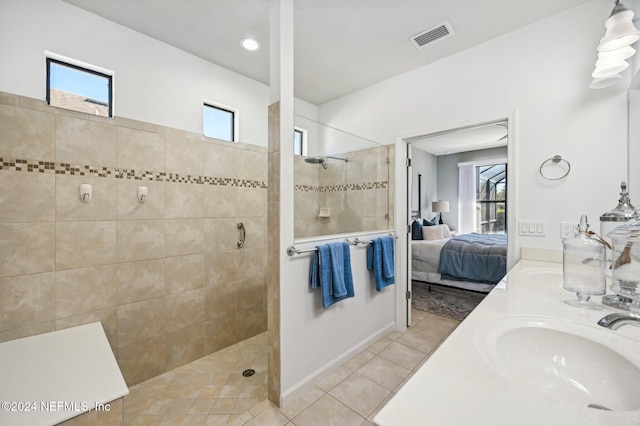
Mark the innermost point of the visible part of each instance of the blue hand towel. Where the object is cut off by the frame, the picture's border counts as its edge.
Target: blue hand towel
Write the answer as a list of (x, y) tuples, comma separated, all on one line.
[(331, 271), (380, 261)]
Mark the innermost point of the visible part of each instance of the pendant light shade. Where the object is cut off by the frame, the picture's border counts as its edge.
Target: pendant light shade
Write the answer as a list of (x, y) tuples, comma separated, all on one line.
[(601, 83), (620, 29)]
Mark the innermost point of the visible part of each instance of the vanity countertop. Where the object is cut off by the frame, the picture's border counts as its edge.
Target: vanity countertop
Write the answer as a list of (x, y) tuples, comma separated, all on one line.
[(458, 385)]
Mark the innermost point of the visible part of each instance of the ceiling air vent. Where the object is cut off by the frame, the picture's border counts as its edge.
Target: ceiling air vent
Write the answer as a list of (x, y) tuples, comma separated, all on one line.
[(429, 36)]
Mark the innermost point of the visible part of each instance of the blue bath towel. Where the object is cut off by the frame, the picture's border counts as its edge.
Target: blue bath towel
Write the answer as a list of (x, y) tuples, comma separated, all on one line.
[(331, 271), (380, 260)]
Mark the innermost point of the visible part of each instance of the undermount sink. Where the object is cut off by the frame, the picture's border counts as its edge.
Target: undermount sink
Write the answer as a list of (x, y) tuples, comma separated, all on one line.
[(568, 363)]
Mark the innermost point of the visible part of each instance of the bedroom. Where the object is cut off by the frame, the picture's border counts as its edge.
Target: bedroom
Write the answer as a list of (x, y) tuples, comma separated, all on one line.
[(438, 173)]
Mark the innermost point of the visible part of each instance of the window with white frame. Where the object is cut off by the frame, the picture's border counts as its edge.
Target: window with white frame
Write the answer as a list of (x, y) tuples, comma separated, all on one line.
[(220, 122), (79, 88), (299, 141)]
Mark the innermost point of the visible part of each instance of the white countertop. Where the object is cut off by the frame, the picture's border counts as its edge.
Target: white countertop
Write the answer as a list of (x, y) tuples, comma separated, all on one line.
[(456, 386), (48, 378)]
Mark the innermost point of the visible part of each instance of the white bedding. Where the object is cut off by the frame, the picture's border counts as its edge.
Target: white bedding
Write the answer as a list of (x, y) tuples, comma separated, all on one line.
[(425, 260)]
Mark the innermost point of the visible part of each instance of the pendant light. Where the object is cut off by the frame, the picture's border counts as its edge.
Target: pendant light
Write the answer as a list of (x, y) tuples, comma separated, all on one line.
[(620, 29), (614, 47)]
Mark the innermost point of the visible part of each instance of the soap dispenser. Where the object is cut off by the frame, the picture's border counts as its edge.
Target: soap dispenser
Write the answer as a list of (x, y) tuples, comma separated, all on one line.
[(583, 267)]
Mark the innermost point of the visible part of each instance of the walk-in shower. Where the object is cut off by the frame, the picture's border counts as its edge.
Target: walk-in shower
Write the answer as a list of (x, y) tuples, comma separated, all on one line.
[(323, 160)]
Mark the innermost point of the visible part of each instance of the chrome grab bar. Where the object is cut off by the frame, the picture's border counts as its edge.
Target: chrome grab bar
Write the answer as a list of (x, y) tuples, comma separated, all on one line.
[(243, 234)]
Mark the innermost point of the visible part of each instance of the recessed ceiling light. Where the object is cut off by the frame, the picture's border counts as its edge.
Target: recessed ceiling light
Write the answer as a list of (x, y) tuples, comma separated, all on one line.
[(250, 43)]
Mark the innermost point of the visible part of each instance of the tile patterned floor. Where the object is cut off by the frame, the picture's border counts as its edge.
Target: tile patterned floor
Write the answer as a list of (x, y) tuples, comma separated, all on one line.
[(212, 391)]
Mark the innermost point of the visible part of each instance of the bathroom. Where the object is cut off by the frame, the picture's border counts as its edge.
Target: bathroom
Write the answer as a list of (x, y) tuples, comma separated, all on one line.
[(75, 261)]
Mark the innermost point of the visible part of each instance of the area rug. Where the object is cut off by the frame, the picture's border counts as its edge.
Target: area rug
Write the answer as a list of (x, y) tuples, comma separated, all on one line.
[(444, 301)]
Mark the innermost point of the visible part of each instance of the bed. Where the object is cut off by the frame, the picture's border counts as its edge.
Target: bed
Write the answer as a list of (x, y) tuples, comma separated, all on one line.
[(469, 261)]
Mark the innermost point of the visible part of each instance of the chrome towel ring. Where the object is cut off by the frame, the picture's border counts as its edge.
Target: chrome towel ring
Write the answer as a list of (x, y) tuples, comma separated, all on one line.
[(556, 159)]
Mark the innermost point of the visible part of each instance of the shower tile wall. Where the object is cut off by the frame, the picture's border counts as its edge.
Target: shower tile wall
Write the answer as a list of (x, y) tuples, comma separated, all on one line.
[(164, 277), (358, 193)]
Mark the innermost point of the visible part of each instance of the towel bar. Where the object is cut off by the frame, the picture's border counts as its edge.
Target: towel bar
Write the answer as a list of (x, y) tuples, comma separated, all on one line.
[(291, 250)]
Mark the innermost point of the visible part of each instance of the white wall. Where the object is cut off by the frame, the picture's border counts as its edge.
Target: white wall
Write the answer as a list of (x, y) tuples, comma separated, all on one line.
[(542, 72), (154, 82)]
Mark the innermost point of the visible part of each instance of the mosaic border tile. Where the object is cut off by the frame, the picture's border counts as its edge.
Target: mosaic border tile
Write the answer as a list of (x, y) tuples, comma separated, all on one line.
[(36, 166), (344, 187)]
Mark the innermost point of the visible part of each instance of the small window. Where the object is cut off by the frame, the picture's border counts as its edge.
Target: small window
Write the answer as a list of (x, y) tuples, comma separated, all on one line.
[(220, 122), (300, 142), (79, 89)]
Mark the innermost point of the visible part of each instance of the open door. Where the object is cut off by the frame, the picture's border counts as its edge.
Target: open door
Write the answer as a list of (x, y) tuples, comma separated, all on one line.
[(409, 293)]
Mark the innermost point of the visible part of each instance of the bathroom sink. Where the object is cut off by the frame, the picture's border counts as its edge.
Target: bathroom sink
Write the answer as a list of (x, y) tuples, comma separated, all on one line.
[(567, 362)]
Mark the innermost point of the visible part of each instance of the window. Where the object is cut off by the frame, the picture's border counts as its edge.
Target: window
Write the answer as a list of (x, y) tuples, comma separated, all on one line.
[(491, 199), (79, 88), (299, 142), (220, 122)]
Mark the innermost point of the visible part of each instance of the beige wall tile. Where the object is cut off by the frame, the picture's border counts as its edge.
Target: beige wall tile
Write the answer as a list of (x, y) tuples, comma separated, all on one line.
[(252, 262), (142, 360), (219, 333), (251, 165), (79, 141), (9, 99), (27, 248), (184, 345), (26, 134), (251, 322), (185, 236), (83, 244), (221, 234), (184, 273), (69, 206), (140, 240), (141, 321), (251, 292), (107, 317), (219, 161), (26, 331), (220, 201), (138, 281), (26, 300), (140, 150), (26, 197), (184, 309), (184, 201), (184, 156), (130, 208), (79, 291), (221, 267), (252, 202), (256, 231), (220, 300)]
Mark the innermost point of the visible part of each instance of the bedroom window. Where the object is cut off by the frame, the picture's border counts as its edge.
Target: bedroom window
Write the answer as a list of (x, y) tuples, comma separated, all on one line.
[(491, 199), (220, 122), (299, 142), (79, 88)]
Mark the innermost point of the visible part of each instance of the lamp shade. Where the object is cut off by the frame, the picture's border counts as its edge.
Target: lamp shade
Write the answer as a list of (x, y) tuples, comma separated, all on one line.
[(601, 83), (439, 206), (620, 30)]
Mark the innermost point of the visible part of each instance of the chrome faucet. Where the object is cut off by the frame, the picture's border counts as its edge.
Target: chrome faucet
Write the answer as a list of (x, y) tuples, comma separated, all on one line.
[(615, 321)]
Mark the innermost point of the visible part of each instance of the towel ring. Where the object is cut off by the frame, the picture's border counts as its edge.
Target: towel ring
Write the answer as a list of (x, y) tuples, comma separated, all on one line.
[(556, 159)]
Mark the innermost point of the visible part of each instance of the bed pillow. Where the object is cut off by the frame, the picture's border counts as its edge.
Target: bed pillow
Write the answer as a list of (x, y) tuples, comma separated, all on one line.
[(446, 232), (432, 222), (416, 230), (432, 233)]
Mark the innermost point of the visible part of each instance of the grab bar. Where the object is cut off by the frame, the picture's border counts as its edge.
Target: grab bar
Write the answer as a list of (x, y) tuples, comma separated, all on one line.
[(243, 234)]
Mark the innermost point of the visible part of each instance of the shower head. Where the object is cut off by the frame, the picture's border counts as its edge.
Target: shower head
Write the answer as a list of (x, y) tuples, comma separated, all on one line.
[(317, 160)]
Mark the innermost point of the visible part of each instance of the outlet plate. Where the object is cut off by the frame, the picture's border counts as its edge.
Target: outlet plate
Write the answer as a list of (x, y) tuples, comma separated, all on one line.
[(568, 229)]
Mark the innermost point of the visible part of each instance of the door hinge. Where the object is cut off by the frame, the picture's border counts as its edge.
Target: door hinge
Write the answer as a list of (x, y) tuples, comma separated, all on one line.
[(408, 229), (408, 162), (408, 295)]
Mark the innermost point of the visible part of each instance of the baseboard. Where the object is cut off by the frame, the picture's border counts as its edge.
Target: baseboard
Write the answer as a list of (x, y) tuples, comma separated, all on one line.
[(317, 376)]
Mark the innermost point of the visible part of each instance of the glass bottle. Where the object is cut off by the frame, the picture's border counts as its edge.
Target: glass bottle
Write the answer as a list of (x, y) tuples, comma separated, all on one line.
[(626, 258), (583, 267)]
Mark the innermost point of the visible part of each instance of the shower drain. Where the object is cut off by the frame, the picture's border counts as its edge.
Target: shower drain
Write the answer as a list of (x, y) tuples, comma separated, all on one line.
[(248, 372)]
